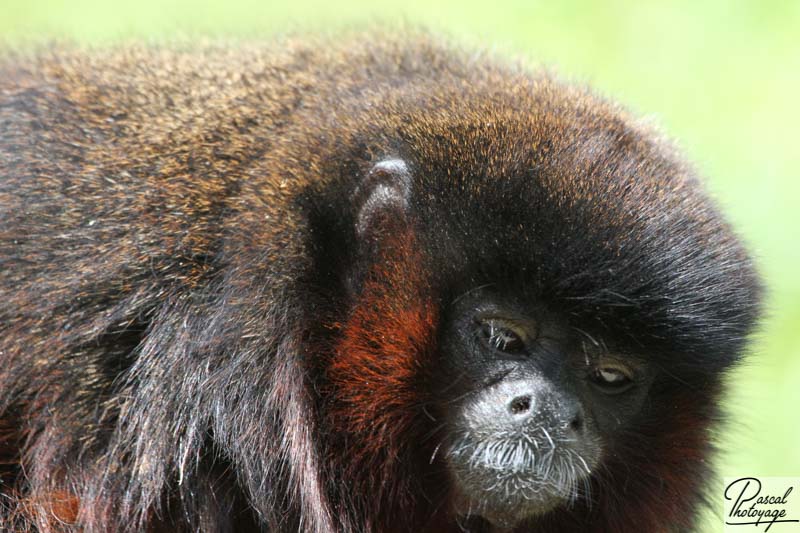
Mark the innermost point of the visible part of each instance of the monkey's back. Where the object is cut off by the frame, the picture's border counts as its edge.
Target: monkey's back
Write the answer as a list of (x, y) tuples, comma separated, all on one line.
[(126, 165)]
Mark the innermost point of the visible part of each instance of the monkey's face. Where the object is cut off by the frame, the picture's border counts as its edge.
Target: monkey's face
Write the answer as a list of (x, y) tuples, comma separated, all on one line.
[(529, 404)]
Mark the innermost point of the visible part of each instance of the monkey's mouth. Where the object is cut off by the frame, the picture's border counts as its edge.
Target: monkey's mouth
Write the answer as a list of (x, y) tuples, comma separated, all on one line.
[(507, 479)]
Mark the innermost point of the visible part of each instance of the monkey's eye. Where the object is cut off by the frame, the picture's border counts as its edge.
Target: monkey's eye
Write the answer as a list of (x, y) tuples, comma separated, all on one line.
[(502, 336), (612, 378)]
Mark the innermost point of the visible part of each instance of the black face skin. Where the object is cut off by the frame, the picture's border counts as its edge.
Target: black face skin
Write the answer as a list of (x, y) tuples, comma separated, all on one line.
[(530, 403)]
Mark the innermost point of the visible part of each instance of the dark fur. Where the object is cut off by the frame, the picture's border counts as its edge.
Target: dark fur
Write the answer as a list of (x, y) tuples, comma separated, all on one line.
[(194, 336)]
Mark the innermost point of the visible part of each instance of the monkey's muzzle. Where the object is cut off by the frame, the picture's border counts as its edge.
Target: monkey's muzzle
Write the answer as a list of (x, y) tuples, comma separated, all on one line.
[(521, 448)]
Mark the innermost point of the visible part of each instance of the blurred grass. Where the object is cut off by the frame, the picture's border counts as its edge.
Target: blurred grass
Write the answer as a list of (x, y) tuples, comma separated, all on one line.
[(723, 77)]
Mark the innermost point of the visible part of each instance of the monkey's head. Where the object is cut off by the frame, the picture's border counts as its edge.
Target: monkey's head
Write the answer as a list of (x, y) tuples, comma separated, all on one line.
[(542, 308)]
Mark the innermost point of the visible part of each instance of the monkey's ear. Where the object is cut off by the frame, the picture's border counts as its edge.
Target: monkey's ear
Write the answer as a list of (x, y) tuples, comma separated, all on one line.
[(383, 201)]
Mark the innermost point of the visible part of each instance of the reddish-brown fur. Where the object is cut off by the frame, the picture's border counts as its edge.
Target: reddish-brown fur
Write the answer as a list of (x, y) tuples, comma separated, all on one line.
[(375, 373)]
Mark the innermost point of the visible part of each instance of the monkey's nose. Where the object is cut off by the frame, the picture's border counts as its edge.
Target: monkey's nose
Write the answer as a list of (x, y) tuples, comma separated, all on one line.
[(521, 402), (520, 405), (527, 403)]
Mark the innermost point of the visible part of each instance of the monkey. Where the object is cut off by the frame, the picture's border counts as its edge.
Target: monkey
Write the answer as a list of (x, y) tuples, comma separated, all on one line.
[(372, 283)]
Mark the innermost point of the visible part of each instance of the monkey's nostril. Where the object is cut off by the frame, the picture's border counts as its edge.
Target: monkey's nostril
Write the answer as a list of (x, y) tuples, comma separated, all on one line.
[(577, 423), (520, 405)]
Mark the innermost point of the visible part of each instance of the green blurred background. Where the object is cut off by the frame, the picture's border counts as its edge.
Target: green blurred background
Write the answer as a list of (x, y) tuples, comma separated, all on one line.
[(722, 77)]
